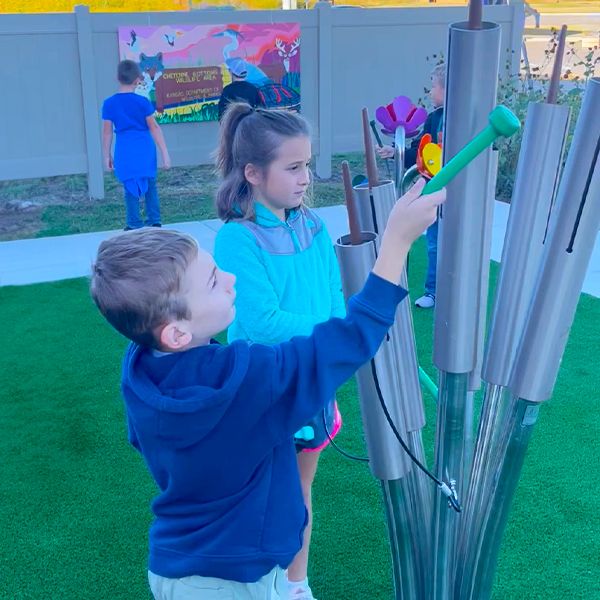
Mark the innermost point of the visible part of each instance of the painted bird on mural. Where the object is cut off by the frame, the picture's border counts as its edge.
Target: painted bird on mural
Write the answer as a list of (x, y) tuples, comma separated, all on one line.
[(133, 36), (234, 44)]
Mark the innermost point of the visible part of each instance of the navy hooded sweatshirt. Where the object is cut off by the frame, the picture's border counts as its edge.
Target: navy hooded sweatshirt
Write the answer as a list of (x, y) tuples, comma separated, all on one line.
[(215, 425)]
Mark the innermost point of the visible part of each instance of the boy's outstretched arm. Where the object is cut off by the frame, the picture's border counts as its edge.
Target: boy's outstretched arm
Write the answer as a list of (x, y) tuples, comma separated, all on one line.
[(306, 371)]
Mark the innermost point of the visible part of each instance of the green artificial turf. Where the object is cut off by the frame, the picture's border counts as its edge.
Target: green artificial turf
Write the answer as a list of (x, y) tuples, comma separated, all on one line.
[(74, 497)]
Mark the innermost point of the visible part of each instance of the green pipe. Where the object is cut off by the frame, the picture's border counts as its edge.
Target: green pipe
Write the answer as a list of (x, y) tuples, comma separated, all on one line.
[(427, 383), (502, 122)]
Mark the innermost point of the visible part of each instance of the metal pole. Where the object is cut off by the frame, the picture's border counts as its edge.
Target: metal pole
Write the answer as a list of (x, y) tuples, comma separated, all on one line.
[(570, 241), (418, 490), (395, 501), (521, 418), (399, 151), (449, 460), (536, 185), (541, 154), (473, 59), (387, 461)]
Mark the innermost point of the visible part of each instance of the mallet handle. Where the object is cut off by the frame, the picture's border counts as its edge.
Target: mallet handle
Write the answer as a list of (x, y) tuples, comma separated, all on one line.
[(502, 123), (458, 162)]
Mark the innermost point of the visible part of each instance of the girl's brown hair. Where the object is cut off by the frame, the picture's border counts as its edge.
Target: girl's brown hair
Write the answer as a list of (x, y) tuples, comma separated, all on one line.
[(249, 135)]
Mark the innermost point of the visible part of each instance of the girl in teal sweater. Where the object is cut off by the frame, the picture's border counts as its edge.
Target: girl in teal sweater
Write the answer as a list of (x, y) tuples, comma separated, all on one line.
[(287, 275)]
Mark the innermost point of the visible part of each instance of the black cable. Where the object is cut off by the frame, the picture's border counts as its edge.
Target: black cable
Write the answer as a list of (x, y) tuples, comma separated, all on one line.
[(395, 430), (341, 450), (447, 490)]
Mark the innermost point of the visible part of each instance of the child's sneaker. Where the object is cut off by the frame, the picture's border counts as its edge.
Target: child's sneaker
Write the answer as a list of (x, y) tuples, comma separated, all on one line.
[(425, 301)]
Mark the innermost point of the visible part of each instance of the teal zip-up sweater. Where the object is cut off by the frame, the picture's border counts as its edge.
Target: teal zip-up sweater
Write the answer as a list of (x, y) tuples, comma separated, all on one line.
[(288, 279)]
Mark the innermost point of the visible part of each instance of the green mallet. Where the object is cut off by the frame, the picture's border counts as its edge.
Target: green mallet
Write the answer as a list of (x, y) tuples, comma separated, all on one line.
[(502, 123)]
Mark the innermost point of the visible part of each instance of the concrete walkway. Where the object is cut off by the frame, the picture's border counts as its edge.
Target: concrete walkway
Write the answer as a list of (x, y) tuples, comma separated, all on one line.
[(64, 257), (40, 260)]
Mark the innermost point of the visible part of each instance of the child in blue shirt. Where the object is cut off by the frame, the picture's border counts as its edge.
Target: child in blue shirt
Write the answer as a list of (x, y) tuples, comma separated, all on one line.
[(283, 259), (137, 132), (214, 423)]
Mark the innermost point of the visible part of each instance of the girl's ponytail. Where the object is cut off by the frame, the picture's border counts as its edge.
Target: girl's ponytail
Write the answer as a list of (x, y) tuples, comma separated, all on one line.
[(235, 113), (249, 136), (233, 199)]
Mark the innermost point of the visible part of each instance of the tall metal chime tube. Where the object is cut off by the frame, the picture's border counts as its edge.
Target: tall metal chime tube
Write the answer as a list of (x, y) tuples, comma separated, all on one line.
[(535, 189), (473, 59), (419, 489), (386, 462), (356, 254), (375, 209), (572, 234), (474, 382)]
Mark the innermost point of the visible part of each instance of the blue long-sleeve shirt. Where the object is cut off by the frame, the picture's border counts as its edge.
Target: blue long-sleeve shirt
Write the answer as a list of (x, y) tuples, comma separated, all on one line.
[(215, 425)]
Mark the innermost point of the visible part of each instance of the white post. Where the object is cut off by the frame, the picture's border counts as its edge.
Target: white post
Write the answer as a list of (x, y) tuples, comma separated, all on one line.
[(324, 109), (91, 118)]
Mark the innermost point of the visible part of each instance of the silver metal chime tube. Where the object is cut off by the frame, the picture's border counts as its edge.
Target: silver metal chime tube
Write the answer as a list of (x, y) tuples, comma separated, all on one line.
[(474, 382), (473, 59), (572, 233), (375, 200), (419, 489), (357, 253), (534, 194), (375, 210), (386, 460)]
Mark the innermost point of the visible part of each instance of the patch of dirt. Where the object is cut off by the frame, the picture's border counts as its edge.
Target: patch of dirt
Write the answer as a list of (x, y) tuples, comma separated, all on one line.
[(16, 225), (22, 202)]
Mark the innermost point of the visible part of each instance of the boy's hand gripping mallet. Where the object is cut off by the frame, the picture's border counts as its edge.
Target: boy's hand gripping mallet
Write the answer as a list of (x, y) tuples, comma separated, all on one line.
[(502, 123)]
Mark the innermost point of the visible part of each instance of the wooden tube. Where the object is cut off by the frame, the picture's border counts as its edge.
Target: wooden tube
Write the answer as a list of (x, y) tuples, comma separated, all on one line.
[(371, 163), (556, 71), (475, 14)]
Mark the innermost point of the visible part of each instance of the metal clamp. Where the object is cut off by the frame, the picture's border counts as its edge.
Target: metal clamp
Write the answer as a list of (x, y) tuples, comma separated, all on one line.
[(450, 492)]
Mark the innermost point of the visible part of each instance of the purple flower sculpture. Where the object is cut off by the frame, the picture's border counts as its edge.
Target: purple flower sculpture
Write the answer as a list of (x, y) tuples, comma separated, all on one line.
[(401, 113)]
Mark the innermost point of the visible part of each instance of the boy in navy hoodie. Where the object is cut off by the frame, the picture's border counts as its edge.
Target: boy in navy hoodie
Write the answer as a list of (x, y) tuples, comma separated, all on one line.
[(215, 424)]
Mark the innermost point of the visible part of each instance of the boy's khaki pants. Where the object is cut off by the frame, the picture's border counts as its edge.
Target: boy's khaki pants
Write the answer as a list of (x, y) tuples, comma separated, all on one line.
[(273, 586)]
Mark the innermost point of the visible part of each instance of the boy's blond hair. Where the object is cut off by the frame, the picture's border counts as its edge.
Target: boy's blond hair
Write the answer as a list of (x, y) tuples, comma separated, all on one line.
[(136, 281), (438, 74)]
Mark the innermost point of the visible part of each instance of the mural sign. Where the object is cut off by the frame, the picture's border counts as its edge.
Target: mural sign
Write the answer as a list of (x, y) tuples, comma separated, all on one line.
[(185, 68)]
